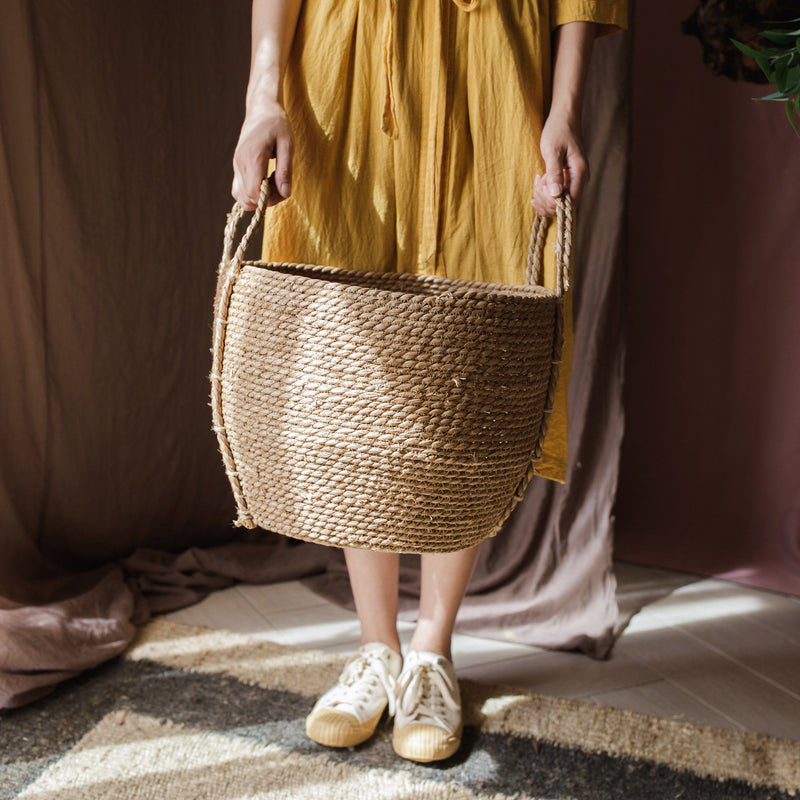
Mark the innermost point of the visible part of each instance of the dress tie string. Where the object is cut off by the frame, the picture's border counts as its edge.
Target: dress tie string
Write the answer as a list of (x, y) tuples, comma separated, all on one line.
[(389, 119)]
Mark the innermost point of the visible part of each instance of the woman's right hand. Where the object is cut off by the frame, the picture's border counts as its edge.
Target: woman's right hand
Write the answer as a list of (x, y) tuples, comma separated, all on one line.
[(265, 134)]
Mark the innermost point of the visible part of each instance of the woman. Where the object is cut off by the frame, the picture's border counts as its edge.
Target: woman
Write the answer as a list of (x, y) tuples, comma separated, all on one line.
[(406, 137)]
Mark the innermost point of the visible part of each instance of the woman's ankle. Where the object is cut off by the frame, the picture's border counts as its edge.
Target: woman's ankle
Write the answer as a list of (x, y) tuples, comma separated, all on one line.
[(431, 642), (388, 640)]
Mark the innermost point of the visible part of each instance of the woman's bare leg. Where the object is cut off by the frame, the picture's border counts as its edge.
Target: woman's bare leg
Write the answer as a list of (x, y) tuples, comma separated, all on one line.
[(374, 581), (444, 580)]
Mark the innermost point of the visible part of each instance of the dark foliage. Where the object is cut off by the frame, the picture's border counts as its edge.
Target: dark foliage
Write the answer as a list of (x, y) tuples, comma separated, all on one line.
[(716, 22)]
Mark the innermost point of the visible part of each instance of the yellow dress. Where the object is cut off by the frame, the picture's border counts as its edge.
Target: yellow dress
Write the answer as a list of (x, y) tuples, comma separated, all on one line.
[(417, 127)]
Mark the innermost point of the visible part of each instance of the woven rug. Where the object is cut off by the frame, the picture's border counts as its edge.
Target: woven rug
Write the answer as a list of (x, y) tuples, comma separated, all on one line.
[(194, 714)]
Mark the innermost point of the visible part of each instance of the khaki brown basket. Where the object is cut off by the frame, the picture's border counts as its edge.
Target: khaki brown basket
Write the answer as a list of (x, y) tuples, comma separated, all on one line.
[(385, 411)]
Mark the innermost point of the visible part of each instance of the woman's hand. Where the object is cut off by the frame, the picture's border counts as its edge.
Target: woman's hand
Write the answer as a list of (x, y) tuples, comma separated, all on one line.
[(265, 134), (565, 163), (561, 145)]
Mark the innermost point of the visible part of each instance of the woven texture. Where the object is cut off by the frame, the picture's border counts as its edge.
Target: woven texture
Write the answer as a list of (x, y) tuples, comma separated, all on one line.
[(387, 411)]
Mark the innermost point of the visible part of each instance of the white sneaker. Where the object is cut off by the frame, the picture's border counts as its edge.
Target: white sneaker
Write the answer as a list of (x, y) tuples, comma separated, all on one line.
[(348, 714), (427, 723)]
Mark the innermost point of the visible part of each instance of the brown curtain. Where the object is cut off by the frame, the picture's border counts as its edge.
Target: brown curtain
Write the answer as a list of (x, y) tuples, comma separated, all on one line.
[(117, 127), (710, 477)]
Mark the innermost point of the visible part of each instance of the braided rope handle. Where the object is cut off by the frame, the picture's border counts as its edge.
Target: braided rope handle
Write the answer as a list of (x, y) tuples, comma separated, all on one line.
[(565, 216), (229, 270), (234, 218), (534, 276)]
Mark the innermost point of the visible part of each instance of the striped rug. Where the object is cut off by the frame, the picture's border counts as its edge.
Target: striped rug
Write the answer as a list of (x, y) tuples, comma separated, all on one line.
[(195, 714)]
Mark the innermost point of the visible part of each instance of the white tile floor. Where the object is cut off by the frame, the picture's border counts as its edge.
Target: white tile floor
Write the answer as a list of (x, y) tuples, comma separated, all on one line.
[(709, 652)]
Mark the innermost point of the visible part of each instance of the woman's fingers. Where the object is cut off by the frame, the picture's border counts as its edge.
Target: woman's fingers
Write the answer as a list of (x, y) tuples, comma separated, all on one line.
[(543, 200), (550, 185), (265, 134), (248, 171), (577, 171), (576, 175), (284, 149), (554, 155), (554, 151)]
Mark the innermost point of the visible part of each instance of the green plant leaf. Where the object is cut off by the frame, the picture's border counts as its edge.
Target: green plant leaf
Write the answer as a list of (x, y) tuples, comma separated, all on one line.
[(796, 113), (789, 107), (792, 76), (766, 67), (781, 66), (774, 96), (780, 37), (780, 76), (748, 51), (773, 53)]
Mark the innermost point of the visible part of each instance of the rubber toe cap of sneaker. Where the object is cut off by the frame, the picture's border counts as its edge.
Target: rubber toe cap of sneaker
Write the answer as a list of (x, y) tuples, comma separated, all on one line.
[(338, 728), (422, 742)]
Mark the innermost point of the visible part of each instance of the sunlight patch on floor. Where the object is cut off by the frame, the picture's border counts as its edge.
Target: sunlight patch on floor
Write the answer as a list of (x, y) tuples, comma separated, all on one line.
[(682, 612)]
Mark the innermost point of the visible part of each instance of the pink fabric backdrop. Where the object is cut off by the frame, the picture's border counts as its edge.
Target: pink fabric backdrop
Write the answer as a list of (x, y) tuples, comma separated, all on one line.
[(710, 474)]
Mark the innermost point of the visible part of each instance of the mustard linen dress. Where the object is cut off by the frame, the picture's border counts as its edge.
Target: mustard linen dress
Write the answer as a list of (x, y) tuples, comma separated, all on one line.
[(417, 127)]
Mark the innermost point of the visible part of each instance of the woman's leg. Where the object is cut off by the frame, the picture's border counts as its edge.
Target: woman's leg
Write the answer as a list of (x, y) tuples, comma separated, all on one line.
[(428, 721), (348, 712), (374, 581), (444, 579)]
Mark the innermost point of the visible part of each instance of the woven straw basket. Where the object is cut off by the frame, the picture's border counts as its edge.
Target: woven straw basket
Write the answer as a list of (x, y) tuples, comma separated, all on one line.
[(385, 411)]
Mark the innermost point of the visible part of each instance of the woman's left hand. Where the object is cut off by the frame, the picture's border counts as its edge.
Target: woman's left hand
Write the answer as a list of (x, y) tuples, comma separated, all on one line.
[(565, 163)]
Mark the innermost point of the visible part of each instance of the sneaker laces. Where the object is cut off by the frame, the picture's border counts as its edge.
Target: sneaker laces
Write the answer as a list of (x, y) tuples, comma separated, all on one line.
[(425, 693), (361, 675)]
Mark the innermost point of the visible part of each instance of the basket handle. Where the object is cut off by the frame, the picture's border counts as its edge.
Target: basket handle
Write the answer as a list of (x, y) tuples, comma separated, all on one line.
[(229, 270), (234, 218), (564, 238), (535, 267)]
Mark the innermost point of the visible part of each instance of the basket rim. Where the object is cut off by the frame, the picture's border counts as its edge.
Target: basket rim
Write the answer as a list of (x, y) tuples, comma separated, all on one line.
[(450, 288)]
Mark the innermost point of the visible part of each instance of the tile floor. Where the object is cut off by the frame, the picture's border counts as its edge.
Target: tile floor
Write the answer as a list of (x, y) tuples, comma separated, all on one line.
[(708, 651)]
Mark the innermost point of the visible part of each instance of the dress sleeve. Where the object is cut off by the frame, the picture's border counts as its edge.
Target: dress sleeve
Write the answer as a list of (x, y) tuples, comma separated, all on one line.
[(610, 15)]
